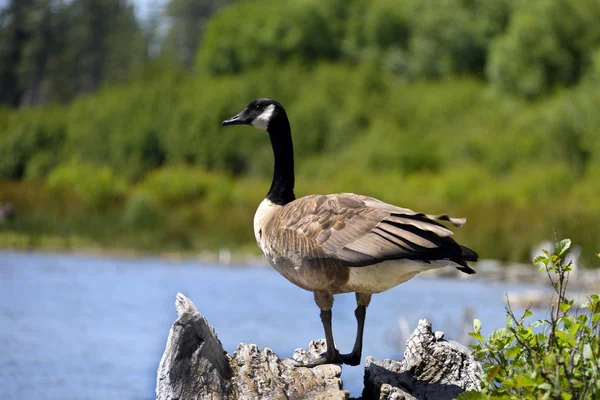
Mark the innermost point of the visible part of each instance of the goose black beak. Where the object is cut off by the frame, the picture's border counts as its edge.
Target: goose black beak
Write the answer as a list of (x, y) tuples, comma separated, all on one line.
[(235, 120)]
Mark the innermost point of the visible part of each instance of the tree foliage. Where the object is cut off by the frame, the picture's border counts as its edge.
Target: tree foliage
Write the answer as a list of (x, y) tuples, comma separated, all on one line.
[(186, 19), (386, 98), (547, 44), (303, 31), (55, 50)]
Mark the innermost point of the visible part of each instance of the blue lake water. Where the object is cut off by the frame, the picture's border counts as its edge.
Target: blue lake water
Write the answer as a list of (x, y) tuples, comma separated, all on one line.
[(82, 327)]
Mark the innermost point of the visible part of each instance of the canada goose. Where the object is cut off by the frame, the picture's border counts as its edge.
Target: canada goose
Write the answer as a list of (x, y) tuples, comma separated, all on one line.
[(341, 243)]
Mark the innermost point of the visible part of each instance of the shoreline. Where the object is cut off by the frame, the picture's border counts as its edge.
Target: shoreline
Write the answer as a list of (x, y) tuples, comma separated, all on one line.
[(584, 279), (222, 257)]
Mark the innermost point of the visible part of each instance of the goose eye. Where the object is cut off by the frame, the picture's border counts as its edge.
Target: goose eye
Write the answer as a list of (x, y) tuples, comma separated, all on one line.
[(257, 107)]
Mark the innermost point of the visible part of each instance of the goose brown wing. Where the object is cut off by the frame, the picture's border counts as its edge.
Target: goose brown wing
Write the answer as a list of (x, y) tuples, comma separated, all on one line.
[(360, 231)]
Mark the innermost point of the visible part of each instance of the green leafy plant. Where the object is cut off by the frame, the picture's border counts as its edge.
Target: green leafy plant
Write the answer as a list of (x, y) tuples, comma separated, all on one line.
[(96, 187), (553, 358)]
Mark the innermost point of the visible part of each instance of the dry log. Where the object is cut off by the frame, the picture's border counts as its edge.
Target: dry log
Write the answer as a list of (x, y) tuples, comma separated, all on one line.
[(195, 366), (432, 368)]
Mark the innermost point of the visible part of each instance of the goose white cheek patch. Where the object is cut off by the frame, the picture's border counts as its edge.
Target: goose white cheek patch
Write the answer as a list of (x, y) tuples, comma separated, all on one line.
[(262, 121)]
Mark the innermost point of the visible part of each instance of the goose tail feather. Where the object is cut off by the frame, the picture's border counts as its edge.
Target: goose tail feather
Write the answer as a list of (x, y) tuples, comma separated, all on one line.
[(466, 255)]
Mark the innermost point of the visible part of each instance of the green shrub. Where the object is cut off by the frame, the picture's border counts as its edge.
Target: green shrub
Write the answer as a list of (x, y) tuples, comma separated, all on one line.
[(96, 187), (550, 358), (23, 134), (180, 184), (41, 164), (572, 126), (143, 211)]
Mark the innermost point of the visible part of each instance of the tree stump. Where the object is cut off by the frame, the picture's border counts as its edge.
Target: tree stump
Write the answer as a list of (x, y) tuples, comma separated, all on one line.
[(195, 366), (432, 368)]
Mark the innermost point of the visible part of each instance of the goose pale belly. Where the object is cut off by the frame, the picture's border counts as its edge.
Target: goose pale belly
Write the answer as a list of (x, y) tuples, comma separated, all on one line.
[(334, 278), (383, 276)]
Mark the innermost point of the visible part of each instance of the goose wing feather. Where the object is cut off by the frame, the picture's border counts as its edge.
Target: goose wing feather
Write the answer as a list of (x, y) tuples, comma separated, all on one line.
[(359, 230)]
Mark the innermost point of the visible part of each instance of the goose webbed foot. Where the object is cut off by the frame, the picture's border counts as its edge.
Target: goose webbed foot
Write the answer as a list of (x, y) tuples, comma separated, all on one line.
[(351, 358), (333, 357)]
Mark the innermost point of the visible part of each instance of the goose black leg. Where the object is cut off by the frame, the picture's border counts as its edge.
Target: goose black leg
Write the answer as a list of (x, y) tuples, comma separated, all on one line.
[(331, 356), (360, 313), (353, 358)]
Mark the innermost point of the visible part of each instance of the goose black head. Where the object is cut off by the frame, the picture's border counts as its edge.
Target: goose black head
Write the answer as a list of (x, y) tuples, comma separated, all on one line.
[(259, 113)]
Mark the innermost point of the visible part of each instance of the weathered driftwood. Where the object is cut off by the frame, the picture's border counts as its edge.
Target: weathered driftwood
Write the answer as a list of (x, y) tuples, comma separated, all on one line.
[(195, 366), (432, 368)]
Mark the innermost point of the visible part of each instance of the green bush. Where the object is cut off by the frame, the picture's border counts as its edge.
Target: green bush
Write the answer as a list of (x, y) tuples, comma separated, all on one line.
[(181, 184), (143, 211), (550, 358), (24, 134), (41, 164), (95, 187)]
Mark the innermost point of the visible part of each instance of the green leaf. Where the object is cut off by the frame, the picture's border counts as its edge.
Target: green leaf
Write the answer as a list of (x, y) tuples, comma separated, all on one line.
[(492, 373), (573, 329), (568, 267), (508, 383), (512, 352), (564, 306), (566, 396), (472, 395), (527, 313), (540, 322), (541, 258), (564, 339), (523, 381), (477, 336), (587, 351), (527, 381), (545, 386), (566, 319), (476, 325), (561, 247), (499, 333), (541, 338)]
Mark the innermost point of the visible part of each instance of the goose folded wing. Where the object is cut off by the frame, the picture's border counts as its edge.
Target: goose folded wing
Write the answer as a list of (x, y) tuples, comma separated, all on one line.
[(361, 231)]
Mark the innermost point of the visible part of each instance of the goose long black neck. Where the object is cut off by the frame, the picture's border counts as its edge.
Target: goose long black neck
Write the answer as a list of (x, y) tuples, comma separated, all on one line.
[(282, 187)]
